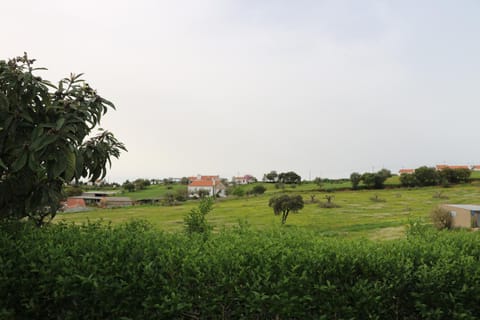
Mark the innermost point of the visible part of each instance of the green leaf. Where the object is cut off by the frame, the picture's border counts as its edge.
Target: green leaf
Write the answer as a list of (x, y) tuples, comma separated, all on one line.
[(3, 165), (3, 101), (71, 166), (59, 167), (20, 162), (60, 123)]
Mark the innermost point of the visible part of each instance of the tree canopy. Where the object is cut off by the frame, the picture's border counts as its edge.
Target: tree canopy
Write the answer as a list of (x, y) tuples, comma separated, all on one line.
[(44, 139), (283, 204)]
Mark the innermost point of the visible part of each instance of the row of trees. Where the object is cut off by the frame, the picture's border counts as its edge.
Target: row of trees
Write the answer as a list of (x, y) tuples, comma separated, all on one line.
[(289, 177), (371, 180), (428, 176)]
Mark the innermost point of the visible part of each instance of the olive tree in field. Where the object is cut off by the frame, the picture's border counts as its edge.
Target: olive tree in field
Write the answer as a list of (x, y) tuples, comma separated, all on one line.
[(283, 204), (44, 142)]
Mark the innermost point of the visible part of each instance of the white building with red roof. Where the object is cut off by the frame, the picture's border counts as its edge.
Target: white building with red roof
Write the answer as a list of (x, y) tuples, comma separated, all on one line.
[(211, 184), (406, 171)]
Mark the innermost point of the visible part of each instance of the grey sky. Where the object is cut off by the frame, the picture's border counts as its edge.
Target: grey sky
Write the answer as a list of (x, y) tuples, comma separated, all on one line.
[(323, 88)]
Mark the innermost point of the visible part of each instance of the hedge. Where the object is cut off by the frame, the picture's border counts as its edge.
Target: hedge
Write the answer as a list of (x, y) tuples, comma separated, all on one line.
[(135, 272)]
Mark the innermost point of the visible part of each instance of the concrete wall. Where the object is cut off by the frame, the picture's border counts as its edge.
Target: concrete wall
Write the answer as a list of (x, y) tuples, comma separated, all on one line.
[(461, 217)]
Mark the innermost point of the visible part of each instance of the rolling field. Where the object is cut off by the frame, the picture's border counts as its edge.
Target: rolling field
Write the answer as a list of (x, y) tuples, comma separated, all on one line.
[(357, 215)]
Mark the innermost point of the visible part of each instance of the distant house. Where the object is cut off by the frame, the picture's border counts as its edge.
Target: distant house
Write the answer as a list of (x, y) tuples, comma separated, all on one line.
[(464, 215), (246, 179), (212, 184), (476, 168), (406, 171), (440, 167)]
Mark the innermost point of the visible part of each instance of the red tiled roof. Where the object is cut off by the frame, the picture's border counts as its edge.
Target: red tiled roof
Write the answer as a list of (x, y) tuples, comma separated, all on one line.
[(406, 171), (202, 183), (458, 167), (444, 166)]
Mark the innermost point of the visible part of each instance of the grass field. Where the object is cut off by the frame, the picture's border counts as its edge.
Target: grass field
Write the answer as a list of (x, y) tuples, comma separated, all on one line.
[(356, 216)]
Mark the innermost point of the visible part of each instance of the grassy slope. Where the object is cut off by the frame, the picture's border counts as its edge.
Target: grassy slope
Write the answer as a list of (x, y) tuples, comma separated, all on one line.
[(356, 216)]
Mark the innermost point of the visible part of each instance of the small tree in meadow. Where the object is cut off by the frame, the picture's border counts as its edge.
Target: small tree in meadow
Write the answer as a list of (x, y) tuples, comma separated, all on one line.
[(284, 204), (195, 221), (258, 189)]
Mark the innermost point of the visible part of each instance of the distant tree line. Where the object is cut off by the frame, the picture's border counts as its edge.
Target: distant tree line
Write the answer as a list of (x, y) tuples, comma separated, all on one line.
[(427, 176), (371, 180), (289, 177)]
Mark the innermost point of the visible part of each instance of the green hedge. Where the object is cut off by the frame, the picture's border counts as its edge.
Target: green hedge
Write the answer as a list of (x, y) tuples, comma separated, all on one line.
[(133, 272)]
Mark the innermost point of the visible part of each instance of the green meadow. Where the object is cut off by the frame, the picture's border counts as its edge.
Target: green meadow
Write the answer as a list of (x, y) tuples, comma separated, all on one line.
[(374, 214)]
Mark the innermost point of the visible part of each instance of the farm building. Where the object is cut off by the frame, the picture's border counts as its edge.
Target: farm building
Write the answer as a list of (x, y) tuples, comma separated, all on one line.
[(476, 168), (406, 171), (211, 184), (113, 202), (246, 179), (464, 215)]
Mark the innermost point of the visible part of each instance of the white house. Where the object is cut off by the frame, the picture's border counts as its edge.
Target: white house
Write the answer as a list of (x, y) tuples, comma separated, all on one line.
[(246, 179), (212, 184)]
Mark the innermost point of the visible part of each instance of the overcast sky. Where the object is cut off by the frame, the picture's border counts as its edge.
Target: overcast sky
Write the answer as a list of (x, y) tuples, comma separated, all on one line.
[(323, 88)]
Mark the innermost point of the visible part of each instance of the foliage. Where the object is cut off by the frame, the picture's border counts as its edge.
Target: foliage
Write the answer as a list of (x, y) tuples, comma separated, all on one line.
[(329, 203), (289, 177), (195, 221), (355, 178), (374, 180), (238, 192), (318, 181), (441, 218), (283, 204), (453, 176), (408, 180), (44, 140), (272, 176), (141, 184), (128, 186), (258, 189), (426, 176), (73, 191), (133, 272), (280, 185)]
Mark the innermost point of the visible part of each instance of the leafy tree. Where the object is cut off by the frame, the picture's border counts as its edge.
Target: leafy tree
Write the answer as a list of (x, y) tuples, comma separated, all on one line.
[(355, 178), (44, 142), (141, 184), (289, 177), (374, 180), (184, 180), (195, 221), (427, 176), (318, 181), (283, 204), (272, 176), (449, 175), (408, 180), (258, 189)]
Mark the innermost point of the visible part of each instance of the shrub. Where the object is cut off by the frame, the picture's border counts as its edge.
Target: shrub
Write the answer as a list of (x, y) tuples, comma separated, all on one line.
[(73, 191), (258, 189), (329, 203), (195, 221), (238, 192), (95, 271), (441, 218)]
